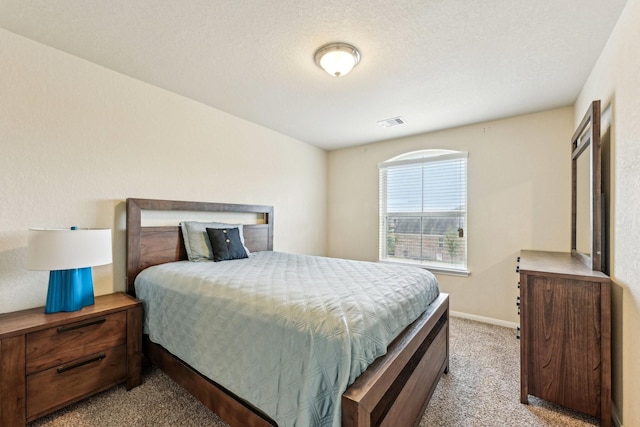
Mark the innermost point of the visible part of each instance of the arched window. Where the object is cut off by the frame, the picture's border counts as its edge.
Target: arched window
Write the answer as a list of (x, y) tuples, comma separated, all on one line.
[(423, 210)]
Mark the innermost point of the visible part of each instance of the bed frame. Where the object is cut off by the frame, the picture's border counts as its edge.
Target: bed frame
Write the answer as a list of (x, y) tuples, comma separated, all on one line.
[(393, 391)]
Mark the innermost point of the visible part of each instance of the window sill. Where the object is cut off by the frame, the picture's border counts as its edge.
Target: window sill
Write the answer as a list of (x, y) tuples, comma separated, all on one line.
[(434, 270)]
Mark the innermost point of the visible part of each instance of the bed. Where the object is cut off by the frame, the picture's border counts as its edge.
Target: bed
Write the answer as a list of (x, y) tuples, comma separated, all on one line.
[(393, 390)]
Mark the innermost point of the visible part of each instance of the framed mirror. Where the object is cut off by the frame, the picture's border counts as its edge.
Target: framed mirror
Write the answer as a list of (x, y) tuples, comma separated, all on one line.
[(586, 189)]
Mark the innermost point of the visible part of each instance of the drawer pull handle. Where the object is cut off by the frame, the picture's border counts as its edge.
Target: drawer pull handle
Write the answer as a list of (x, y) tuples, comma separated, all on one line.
[(64, 329), (77, 365)]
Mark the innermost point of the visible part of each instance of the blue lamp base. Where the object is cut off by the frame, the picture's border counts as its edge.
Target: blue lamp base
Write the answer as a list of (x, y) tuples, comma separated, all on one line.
[(69, 290)]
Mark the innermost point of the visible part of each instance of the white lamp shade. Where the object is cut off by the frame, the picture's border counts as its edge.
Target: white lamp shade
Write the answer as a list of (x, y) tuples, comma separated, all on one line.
[(65, 249), (337, 59)]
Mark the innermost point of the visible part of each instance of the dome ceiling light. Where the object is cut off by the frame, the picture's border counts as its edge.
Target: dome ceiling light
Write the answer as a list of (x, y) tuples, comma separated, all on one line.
[(337, 59)]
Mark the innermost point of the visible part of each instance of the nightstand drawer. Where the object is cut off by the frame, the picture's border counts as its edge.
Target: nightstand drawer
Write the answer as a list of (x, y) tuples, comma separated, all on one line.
[(56, 346), (63, 384)]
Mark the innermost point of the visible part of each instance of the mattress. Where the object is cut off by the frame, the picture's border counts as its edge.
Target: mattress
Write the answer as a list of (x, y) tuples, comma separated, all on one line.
[(288, 333)]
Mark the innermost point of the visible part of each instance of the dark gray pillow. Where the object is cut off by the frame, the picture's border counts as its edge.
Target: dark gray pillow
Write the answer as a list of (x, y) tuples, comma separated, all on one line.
[(226, 244)]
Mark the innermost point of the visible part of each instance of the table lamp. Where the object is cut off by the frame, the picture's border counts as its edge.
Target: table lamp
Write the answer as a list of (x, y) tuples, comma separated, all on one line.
[(69, 255)]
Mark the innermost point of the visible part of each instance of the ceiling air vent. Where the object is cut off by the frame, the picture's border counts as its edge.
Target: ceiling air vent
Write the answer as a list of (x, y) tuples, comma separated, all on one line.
[(391, 122)]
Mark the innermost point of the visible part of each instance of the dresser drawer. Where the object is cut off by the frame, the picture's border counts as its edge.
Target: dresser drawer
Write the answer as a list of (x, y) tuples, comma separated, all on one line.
[(56, 346), (66, 383)]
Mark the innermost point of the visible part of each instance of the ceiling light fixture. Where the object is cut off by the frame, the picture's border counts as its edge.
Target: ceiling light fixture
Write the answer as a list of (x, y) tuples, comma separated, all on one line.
[(337, 59)]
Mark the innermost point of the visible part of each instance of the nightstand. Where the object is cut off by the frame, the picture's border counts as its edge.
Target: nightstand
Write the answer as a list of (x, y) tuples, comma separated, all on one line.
[(48, 361)]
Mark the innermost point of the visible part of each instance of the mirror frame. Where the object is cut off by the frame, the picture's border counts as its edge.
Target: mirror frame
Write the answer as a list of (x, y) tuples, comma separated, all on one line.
[(588, 134)]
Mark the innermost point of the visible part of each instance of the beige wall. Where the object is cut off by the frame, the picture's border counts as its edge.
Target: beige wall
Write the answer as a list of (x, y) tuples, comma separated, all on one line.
[(615, 80), (76, 140), (519, 180)]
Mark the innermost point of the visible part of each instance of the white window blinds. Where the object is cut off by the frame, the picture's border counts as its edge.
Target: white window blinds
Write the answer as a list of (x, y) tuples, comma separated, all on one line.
[(423, 209)]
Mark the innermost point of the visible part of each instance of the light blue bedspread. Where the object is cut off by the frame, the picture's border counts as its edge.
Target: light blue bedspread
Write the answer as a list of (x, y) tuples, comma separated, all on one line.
[(288, 333)]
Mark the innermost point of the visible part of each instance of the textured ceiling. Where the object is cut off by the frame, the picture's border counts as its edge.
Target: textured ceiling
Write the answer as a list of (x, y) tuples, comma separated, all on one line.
[(436, 63)]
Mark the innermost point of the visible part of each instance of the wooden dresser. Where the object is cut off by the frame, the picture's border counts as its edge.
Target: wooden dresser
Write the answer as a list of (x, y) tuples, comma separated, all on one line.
[(48, 361), (565, 333)]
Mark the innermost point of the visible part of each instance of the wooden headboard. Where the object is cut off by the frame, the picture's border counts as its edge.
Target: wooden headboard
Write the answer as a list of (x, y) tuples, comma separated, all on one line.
[(147, 246)]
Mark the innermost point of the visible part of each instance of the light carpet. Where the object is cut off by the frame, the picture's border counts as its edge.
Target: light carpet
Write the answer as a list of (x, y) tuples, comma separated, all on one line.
[(482, 389)]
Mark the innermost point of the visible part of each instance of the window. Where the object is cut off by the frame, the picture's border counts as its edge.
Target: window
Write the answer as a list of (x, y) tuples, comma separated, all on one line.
[(423, 210)]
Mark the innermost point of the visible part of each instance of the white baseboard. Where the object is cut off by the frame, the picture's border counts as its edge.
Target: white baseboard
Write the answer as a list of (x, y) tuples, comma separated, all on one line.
[(483, 319), (615, 416)]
